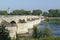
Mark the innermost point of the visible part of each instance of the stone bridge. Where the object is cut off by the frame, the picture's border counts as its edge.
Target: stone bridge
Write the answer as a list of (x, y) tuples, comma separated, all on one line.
[(19, 24)]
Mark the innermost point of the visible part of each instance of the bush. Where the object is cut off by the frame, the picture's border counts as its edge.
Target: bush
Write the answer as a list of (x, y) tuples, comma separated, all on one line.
[(35, 32), (4, 34)]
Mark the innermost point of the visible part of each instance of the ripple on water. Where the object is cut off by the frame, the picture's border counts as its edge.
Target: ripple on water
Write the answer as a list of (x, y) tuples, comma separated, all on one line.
[(55, 28)]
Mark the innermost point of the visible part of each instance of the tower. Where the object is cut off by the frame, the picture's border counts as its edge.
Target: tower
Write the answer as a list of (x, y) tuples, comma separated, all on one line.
[(8, 10)]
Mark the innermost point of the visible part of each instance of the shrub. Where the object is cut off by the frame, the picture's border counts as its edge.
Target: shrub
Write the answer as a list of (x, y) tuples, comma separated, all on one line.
[(35, 32), (4, 34)]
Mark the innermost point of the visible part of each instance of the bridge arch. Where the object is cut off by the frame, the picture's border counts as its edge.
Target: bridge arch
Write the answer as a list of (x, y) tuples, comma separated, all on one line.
[(13, 22)]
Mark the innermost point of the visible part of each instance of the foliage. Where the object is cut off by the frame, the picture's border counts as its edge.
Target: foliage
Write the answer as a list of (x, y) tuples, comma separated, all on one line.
[(25, 12), (36, 12), (54, 13), (3, 12), (45, 14), (55, 20), (46, 31), (46, 38), (20, 12), (4, 34), (35, 32), (49, 13)]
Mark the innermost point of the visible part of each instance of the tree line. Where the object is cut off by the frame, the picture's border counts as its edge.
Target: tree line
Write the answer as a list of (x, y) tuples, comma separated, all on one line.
[(49, 13), (21, 12), (52, 13)]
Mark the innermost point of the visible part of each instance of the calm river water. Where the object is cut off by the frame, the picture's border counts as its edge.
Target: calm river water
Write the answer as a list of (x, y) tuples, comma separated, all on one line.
[(55, 29)]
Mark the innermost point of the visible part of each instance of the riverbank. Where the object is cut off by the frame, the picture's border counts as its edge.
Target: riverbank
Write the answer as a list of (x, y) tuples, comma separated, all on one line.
[(56, 20), (45, 38)]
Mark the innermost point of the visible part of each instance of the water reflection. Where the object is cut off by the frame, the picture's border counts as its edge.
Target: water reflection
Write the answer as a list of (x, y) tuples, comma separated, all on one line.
[(54, 28)]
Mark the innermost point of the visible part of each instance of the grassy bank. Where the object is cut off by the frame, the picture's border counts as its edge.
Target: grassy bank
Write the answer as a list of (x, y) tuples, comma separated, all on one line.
[(46, 38), (52, 19), (56, 20)]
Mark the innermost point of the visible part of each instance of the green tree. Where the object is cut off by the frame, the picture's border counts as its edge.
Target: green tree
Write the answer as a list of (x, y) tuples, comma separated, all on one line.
[(36, 12), (45, 14), (46, 31), (54, 13), (20, 12), (3, 12), (4, 34), (35, 32)]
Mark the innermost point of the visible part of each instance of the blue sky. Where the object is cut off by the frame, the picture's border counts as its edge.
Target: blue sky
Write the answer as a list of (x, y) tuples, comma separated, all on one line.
[(29, 4)]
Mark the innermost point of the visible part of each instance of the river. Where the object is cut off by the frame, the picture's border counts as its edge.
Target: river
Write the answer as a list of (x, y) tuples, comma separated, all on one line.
[(55, 29)]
